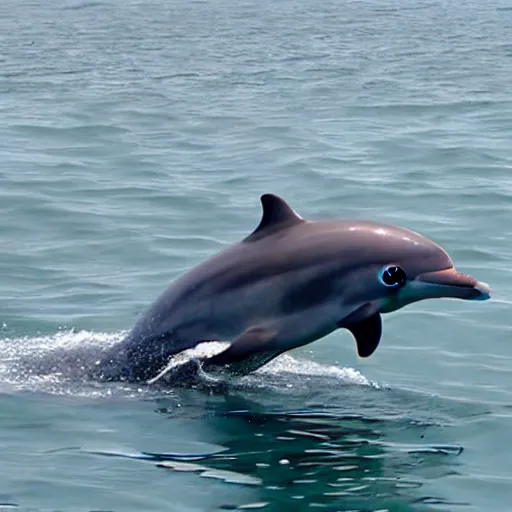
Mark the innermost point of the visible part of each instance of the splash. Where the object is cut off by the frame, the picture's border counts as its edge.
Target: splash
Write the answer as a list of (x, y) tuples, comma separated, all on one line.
[(56, 363)]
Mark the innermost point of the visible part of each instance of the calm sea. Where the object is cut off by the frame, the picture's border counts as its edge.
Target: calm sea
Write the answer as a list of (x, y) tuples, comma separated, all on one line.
[(135, 140)]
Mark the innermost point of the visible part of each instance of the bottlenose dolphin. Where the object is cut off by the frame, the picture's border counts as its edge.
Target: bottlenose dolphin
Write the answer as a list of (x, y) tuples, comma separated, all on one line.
[(287, 284)]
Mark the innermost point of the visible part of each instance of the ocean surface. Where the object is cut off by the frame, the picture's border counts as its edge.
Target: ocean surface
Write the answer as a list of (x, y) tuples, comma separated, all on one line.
[(136, 138)]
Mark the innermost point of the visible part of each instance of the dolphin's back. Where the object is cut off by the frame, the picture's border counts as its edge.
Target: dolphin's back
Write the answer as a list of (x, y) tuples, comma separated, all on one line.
[(300, 247)]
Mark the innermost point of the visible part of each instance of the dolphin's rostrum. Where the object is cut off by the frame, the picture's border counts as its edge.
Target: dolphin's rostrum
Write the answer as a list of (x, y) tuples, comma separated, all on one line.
[(287, 284)]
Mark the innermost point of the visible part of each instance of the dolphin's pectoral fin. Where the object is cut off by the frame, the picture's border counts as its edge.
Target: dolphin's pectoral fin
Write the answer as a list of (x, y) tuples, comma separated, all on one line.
[(367, 334), (365, 324), (248, 352)]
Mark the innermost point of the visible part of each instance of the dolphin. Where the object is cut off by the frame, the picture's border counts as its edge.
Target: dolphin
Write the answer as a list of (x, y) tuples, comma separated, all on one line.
[(290, 282)]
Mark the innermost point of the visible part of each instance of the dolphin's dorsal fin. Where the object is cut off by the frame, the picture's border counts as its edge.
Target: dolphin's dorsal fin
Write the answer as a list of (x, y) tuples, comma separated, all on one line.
[(277, 214)]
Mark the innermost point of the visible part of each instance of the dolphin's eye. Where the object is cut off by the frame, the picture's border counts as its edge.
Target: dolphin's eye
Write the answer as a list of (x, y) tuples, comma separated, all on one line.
[(393, 276)]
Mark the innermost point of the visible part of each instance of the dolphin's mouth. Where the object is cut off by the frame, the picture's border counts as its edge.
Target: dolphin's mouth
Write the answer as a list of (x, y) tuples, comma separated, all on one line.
[(452, 283)]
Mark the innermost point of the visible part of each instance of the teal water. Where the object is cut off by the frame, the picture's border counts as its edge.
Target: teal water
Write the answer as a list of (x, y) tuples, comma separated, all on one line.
[(135, 140)]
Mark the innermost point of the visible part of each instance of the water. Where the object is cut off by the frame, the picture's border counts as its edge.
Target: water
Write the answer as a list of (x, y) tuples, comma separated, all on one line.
[(135, 140)]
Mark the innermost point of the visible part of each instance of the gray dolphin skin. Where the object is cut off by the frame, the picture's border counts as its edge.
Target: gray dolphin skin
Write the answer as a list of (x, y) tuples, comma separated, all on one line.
[(287, 284)]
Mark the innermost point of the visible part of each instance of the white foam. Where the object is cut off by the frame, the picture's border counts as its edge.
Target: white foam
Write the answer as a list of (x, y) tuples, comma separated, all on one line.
[(17, 375), (289, 364), (65, 339), (201, 351)]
